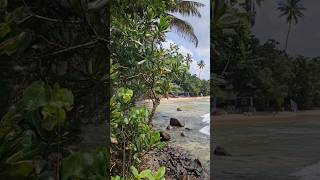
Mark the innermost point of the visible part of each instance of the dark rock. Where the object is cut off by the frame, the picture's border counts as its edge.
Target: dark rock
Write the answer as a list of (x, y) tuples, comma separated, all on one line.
[(165, 136), (220, 151), (187, 129), (179, 164), (184, 177), (179, 109), (183, 134), (176, 122), (168, 127)]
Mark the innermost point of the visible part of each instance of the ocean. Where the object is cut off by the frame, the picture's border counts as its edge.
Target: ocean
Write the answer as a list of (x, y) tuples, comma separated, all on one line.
[(195, 115)]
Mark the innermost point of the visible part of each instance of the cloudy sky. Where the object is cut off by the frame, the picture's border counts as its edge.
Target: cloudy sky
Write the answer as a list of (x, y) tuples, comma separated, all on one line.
[(202, 30), (305, 36)]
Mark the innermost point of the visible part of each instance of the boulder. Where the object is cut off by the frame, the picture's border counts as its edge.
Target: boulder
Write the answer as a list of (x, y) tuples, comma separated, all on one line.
[(184, 177), (168, 127), (179, 109), (188, 129), (176, 122), (221, 151), (183, 134), (165, 136)]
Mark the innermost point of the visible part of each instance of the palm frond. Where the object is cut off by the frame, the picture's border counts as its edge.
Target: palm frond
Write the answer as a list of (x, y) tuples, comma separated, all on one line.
[(187, 8), (183, 28)]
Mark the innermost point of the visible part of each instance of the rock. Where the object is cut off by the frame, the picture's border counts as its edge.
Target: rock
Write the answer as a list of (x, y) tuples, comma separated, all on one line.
[(187, 129), (219, 112), (176, 122), (220, 151), (165, 136), (179, 109), (183, 134), (168, 127), (184, 177)]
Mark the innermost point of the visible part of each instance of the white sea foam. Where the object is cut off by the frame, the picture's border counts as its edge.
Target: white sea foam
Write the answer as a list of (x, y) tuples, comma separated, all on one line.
[(206, 118), (206, 130)]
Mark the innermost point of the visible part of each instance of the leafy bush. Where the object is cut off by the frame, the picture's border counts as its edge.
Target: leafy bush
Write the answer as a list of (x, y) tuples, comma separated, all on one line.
[(130, 131), (145, 174), (36, 130), (86, 165)]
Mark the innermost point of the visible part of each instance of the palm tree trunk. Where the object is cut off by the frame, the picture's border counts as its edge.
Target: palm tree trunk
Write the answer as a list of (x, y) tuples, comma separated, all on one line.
[(288, 36)]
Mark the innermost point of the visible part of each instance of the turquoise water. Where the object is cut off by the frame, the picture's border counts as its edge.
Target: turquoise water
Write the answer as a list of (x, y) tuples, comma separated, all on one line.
[(267, 151), (195, 142)]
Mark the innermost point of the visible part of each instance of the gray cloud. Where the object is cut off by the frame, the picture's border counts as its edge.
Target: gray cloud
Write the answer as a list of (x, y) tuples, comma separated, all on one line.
[(305, 36)]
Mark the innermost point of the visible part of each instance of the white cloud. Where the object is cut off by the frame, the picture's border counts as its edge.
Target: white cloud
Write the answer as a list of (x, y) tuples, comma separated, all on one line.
[(183, 50)]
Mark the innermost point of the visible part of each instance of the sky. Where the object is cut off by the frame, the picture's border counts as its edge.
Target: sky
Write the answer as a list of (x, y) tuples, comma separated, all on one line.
[(305, 36), (201, 28)]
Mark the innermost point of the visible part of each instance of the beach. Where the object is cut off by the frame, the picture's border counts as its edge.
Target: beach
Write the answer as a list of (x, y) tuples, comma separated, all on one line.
[(194, 114), (263, 146)]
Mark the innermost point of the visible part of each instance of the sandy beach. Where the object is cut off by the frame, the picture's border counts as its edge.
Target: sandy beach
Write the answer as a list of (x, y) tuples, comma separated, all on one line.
[(263, 117)]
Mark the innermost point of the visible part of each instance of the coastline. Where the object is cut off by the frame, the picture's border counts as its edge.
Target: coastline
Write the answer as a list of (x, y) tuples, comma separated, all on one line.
[(178, 99), (265, 117)]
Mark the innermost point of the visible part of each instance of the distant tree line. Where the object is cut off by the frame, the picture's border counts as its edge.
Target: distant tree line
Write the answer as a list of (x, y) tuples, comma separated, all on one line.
[(245, 67)]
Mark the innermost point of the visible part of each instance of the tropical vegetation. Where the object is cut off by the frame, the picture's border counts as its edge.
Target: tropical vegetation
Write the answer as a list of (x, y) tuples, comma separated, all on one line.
[(243, 66), (58, 61)]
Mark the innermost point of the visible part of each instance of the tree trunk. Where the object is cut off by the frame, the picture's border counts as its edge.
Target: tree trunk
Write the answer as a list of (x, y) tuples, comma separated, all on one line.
[(155, 104), (287, 36)]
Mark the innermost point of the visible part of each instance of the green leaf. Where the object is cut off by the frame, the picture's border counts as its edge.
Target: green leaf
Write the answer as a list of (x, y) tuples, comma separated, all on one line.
[(115, 178), (134, 171), (53, 116), (4, 29), (12, 44), (62, 97), (19, 170), (146, 174), (35, 96), (164, 23), (160, 173)]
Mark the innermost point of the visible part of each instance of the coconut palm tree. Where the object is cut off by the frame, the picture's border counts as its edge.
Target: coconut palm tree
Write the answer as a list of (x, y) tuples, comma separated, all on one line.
[(292, 9), (201, 65), (188, 60), (185, 8)]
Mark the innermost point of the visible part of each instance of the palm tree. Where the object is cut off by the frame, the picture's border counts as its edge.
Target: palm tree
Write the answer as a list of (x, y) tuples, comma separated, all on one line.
[(201, 65), (186, 8), (188, 60), (292, 9)]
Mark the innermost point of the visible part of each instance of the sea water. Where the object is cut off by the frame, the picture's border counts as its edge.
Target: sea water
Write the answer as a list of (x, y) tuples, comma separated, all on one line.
[(195, 115), (206, 119)]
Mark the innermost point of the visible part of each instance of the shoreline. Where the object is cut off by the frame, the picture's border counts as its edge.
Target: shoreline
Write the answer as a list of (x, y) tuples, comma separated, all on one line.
[(172, 99), (265, 117)]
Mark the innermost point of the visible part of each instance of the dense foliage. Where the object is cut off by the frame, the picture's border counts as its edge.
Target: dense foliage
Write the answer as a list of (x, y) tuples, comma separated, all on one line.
[(47, 45), (142, 69), (258, 70), (55, 74)]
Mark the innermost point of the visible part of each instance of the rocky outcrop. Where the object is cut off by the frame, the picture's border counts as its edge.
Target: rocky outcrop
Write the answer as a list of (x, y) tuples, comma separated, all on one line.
[(179, 165), (168, 127), (176, 122), (165, 136), (182, 134), (221, 151)]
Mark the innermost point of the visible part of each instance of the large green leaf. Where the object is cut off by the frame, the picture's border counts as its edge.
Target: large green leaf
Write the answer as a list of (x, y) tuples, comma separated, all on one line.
[(4, 29), (85, 165), (16, 171), (12, 44), (35, 96)]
